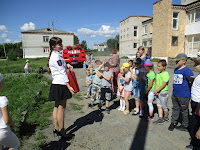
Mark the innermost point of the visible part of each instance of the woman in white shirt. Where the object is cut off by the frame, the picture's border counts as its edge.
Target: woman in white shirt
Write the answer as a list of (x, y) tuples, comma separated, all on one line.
[(7, 137), (60, 89)]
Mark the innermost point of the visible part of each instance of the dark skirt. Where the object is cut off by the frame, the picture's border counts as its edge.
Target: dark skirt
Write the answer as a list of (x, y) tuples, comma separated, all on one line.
[(59, 92)]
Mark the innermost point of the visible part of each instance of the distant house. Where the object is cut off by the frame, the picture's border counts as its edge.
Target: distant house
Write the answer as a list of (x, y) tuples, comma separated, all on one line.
[(100, 47), (35, 43)]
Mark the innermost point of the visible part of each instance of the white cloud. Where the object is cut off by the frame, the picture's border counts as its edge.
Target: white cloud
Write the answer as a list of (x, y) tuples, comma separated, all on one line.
[(7, 41), (3, 28), (28, 26), (4, 35), (104, 30), (17, 41)]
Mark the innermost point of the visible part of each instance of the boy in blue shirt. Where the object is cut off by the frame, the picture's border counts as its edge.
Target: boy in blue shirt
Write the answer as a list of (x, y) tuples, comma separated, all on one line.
[(183, 78)]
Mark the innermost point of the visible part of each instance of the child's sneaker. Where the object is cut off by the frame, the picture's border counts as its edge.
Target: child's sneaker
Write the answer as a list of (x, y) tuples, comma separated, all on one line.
[(135, 113), (90, 105), (150, 118), (159, 121), (97, 99), (166, 119), (141, 114), (123, 109), (86, 96), (107, 111)]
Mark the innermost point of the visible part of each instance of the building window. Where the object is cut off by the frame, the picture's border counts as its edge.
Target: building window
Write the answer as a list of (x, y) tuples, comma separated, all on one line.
[(150, 42), (174, 40), (124, 30), (145, 43), (45, 38), (135, 31), (145, 29), (175, 20), (194, 16), (127, 29), (46, 49), (151, 28), (134, 45), (127, 21), (127, 35), (121, 37)]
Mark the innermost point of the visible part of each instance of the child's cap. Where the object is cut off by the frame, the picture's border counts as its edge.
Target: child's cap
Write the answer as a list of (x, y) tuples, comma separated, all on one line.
[(138, 60), (148, 63), (181, 56), (1, 77), (125, 65), (27, 60)]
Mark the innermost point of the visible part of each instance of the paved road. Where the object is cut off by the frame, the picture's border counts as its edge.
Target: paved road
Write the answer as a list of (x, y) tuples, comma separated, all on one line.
[(115, 131)]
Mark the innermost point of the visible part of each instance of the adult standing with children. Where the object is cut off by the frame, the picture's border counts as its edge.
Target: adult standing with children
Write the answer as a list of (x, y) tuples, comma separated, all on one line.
[(114, 65), (141, 53), (60, 89), (7, 137)]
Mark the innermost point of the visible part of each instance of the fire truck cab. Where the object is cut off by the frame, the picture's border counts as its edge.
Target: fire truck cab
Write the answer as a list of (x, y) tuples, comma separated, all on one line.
[(74, 55)]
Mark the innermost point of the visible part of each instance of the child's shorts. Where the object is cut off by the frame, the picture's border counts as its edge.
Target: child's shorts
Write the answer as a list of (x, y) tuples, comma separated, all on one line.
[(138, 92), (89, 88), (162, 99), (120, 94), (106, 94), (96, 88)]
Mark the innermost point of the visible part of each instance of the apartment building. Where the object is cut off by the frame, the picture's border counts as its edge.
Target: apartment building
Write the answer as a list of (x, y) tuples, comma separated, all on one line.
[(176, 28), (147, 35), (130, 35), (35, 43), (101, 46)]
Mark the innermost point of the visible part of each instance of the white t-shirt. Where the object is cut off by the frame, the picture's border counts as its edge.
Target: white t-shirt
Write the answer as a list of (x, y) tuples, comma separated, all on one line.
[(3, 102), (195, 92), (58, 68), (128, 85), (26, 66)]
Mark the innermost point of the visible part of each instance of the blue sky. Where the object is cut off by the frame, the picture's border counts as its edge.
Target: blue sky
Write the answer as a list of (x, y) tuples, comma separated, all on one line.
[(92, 20)]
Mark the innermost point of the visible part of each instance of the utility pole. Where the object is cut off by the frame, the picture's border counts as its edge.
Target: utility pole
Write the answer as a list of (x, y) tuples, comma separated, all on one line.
[(53, 27), (4, 48)]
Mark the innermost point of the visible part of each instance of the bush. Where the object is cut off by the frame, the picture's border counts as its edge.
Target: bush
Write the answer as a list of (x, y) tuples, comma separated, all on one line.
[(12, 55)]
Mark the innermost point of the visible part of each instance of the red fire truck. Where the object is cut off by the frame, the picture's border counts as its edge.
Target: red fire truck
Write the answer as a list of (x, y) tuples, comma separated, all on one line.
[(74, 54)]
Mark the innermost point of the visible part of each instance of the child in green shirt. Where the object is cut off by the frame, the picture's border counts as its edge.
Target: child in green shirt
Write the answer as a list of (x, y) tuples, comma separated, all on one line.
[(161, 92)]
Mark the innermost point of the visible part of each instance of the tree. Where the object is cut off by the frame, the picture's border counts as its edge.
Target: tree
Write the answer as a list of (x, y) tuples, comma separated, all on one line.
[(84, 44), (113, 43), (76, 40)]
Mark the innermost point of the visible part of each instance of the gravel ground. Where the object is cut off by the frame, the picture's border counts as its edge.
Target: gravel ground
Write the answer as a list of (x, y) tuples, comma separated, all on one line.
[(114, 131)]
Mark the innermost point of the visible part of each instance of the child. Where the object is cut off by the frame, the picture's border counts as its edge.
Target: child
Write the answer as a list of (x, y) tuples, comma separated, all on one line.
[(161, 91), (183, 76), (139, 87), (84, 65), (106, 89), (148, 66), (88, 83), (26, 66), (7, 137), (127, 85), (96, 84), (120, 91), (195, 103), (132, 66), (60, 89)]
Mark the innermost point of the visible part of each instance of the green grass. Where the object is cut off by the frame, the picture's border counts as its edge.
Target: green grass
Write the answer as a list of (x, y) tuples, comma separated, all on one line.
[(7, 66), (28, 104), (40, 136), (76, 106), (104, 53), (78, 96)]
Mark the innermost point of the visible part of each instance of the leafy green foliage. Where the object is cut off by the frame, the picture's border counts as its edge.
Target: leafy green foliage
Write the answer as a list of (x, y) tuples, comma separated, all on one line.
[(76, 106), (76, 40), (17, 47), (12, 55), (27, 96), (84, 44), (113, 43)]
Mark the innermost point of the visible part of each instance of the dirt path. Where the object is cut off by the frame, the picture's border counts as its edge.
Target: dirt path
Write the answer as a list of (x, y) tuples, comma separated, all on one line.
[(114, 131)]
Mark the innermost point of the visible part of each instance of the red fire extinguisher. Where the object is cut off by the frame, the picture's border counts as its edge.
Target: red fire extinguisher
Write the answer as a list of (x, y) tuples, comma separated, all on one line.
[(72, 80)]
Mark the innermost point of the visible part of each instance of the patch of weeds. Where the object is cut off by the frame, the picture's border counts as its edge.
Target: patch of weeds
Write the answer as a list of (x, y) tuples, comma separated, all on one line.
[(82, 112), (76, 106), (40, 136), (39, 144), (77, 96)]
